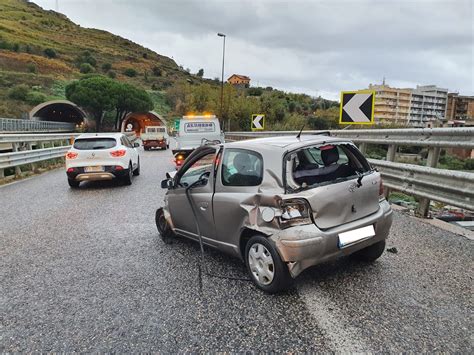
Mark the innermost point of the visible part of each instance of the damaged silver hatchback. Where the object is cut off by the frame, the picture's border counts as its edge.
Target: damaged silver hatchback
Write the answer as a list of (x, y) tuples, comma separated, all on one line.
[(281, 204)]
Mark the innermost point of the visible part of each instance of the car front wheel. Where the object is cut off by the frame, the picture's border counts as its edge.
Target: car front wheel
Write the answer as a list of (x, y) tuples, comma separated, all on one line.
[(265, 267), (163, 226), (370, 253), (136, 172)]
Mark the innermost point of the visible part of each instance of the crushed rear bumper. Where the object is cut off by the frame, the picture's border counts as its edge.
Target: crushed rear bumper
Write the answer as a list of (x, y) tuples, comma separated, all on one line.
[(304, 246)]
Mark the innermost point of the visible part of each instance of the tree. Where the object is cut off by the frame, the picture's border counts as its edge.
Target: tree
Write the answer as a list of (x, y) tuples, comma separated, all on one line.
[(95, 94), (156, 71), (50, 53), (200, 73), (106, 67), (130, 72), (129, 99), (19, 92), (86, 68)]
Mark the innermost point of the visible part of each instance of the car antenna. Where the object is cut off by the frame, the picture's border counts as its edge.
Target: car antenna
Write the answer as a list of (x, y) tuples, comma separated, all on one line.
[(301, 130)]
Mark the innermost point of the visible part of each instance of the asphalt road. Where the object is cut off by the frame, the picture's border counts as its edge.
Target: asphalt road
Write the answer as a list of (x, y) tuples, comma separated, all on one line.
[(85, 270)]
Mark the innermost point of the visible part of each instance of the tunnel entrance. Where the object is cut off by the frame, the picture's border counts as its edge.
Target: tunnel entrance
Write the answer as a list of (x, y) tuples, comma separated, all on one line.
[(137, 121), (59, 111)]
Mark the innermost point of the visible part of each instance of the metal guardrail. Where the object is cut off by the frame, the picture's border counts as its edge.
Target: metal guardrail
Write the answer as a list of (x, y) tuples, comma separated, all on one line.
[(454, 188), (21, 138), (423, 137), (21, 125), (13, 159)]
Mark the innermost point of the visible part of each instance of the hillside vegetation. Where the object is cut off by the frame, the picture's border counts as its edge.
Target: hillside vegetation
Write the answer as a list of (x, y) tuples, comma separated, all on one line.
[(45, 50), (42, 52)]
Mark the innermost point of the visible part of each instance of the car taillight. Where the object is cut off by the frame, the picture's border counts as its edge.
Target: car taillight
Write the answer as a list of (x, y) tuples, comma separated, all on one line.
[(71, 155), (70, 170), (381, 189), (118, 153), (294, 212), (118, 167)]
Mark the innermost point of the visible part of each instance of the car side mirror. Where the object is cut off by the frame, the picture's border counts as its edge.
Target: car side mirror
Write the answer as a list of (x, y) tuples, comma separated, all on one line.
[(136, 145), (167, 184)]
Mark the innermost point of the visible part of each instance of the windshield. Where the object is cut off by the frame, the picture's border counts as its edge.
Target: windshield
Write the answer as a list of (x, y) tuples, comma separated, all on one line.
[(323, 164), (94, 143)]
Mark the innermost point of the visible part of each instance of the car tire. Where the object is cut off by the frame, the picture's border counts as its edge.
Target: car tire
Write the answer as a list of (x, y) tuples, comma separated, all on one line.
[(163, 227), (370, 253), (265, 267), (146, 148), (136, 172), (127, 179), (73, 183), (167, 146)]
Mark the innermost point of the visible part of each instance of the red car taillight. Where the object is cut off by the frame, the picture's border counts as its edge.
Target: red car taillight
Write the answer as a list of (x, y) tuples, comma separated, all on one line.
[(71, 155), (118, 153), (70, 170)]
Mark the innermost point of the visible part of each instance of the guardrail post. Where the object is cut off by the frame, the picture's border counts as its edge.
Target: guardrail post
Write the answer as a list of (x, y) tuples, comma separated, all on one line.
[(17, 168), (2, 174), (392, 149), (431, 161), (363, 148), (29, 145)]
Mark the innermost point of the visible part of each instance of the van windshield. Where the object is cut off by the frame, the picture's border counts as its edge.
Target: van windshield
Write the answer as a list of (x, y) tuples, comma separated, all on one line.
[(199, 127), (324, 164)]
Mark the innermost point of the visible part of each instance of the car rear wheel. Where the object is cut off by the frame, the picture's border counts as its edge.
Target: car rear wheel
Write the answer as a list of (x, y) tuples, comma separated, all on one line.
[(136, 172), (370, 253), (163, 227), (127, 179), (265, 267), (73, 183)]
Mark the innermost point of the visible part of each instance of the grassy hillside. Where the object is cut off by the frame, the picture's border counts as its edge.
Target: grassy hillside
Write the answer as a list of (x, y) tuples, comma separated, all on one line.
[(45, 50)]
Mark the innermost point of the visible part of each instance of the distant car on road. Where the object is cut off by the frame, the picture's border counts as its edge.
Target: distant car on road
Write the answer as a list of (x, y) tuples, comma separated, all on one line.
[(155, 137), (280, 204), (102, 156)]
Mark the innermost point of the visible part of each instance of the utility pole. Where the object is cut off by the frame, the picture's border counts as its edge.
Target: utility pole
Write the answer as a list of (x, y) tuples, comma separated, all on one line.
[(222, 77)]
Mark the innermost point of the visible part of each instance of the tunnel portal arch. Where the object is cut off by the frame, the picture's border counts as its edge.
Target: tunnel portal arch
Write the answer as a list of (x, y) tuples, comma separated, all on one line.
[(59, 111)]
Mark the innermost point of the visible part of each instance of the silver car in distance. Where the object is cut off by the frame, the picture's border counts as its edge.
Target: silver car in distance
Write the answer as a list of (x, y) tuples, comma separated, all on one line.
[(281, 204)]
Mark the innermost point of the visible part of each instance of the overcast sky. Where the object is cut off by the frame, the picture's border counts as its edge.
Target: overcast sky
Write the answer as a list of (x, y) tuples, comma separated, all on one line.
[(319, 47)]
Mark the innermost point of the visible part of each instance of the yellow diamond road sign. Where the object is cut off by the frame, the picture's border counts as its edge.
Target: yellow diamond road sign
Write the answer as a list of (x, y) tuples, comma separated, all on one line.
[(258, 122), (357, 107)]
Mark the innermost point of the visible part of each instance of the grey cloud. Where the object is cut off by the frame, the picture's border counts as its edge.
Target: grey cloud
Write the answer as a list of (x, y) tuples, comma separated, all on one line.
[(314, 46)]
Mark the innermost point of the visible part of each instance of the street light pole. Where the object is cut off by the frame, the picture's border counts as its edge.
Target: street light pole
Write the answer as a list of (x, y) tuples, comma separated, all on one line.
[(222, 76)]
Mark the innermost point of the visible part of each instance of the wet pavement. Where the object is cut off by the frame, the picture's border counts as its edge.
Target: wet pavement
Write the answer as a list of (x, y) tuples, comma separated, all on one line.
[(85, 270)]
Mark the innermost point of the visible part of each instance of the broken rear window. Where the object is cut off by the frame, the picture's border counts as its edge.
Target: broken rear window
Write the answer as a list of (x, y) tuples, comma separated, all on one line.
[(323, 164)]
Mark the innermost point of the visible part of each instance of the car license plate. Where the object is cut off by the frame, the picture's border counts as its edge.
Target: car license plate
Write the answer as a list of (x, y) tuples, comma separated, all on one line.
[(93, 169), (355, 236)]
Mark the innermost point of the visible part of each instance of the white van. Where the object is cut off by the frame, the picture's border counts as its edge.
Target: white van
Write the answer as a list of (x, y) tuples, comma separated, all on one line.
[(195, 131)]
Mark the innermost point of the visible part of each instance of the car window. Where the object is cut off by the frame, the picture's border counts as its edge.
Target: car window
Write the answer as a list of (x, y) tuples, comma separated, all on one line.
[(126, 142), (242, 167), (328, 163), (94, 143), (200, 168)]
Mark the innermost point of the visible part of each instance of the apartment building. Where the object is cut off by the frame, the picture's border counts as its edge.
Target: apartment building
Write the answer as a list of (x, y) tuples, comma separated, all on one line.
[(420, 107), (428, 105), (391, 104), (460, 108)]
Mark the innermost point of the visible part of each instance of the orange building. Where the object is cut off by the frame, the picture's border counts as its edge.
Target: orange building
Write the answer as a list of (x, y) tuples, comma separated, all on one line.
[(460, 108), (239, 80)]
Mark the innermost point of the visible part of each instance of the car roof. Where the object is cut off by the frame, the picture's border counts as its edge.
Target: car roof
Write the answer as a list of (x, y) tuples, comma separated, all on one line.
[(100, 135), (284, 142)]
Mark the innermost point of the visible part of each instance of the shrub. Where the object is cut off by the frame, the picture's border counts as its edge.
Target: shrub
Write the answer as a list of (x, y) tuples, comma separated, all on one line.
[(19, 92), (106, 67), (156, 71), (16, 47), (86, 57), (35, 98), (86, 68), (200, 73), (254, 91), (111, 74), (145, 55), (130, 72), (50, 53), (469, 164), (31, 68)]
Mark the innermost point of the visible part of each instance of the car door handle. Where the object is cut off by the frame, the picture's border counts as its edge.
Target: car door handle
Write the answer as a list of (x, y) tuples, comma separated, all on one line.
[(203, 205)]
